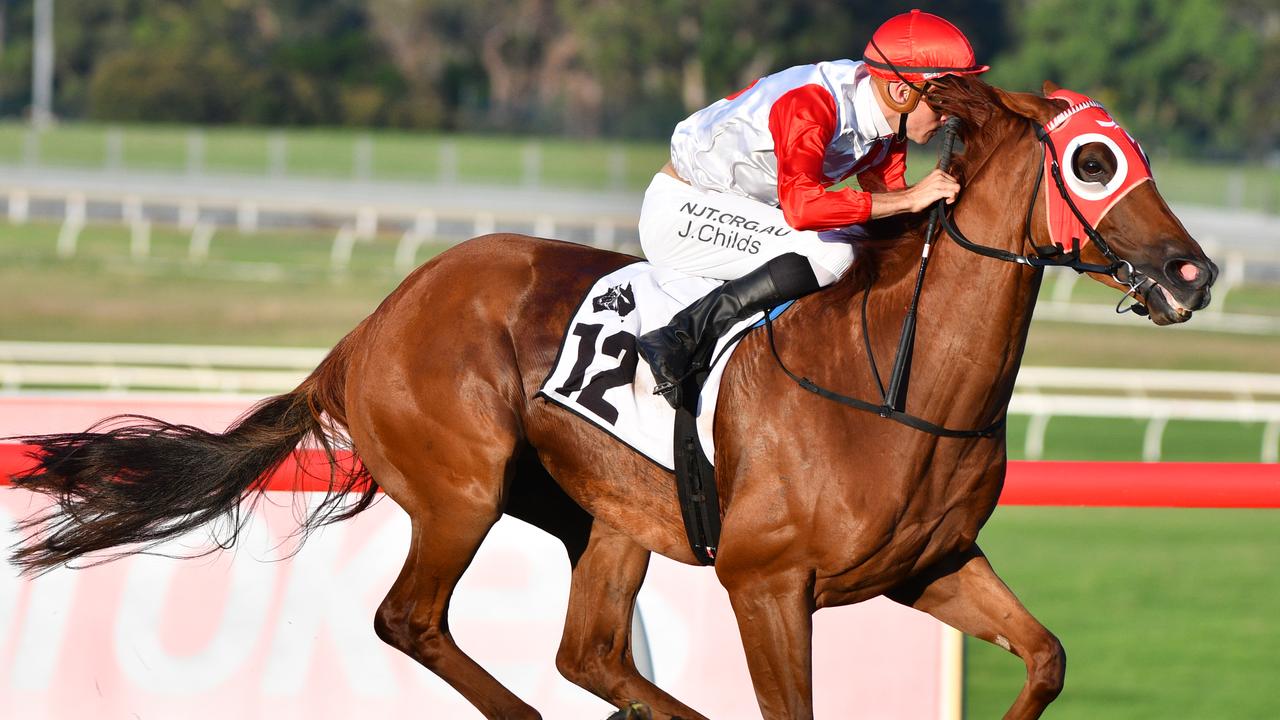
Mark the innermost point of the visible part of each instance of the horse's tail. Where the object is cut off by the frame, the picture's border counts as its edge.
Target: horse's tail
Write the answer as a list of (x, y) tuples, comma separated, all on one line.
[(134, 485)]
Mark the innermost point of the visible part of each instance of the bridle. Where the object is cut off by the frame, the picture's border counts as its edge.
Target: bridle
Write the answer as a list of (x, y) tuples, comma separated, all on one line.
[(893, 398), (1118, 269)]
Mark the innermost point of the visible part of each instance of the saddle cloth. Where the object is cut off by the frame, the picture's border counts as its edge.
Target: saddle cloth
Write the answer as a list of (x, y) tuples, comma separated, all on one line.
[(600, 376)]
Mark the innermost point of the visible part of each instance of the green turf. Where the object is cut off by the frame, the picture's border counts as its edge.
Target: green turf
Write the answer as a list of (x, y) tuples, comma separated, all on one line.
[(1163, 613), (263, 289), (397, 155), (238, 150), (161, 148)]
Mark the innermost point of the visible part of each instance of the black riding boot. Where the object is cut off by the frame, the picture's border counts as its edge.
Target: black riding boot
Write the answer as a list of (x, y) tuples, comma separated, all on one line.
[(673, 351)]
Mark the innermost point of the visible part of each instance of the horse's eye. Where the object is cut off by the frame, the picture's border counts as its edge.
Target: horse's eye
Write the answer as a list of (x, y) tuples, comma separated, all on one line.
[(1092, 167)]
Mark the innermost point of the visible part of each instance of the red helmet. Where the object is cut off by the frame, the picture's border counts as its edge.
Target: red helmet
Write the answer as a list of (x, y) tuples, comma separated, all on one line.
[(921, 46)]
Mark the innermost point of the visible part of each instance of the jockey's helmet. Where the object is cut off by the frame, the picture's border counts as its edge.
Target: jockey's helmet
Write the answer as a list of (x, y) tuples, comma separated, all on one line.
[(917, 47)]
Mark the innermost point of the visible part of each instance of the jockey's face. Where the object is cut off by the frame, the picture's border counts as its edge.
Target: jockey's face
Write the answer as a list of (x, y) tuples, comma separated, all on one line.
[(923, 122)]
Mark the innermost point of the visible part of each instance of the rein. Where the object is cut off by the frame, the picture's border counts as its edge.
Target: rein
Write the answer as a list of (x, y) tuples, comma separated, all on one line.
[(893, 399)]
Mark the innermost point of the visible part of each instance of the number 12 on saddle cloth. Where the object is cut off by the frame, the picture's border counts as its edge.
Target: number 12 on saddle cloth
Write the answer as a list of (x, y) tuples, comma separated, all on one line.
[(599, 376)]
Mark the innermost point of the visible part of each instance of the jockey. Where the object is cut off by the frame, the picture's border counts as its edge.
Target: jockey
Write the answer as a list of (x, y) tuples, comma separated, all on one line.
[(744, 198)]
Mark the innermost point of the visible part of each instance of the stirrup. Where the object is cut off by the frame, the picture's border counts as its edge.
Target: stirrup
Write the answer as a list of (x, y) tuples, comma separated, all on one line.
[(669, 392), (663, 388)]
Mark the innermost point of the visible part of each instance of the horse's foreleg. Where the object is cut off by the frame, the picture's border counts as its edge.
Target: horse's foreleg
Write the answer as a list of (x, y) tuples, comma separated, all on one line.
[(965, 593), (595, 653), (775, 620)]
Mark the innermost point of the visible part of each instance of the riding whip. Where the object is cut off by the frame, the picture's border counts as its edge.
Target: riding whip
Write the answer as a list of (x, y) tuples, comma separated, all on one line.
[(896, 396)]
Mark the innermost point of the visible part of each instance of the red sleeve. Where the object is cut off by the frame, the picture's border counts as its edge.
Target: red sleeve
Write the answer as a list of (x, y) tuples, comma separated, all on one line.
[(888, 175), (802, 122)]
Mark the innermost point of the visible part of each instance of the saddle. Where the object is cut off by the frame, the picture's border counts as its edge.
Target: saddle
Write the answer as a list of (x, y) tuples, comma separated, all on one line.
[(598, 376)]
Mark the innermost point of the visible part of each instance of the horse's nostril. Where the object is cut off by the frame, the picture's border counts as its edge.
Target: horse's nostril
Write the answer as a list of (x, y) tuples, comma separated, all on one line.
[(1189, 272)]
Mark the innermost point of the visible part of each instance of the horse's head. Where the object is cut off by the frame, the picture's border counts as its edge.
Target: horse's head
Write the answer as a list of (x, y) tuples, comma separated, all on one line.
[(1094, 191)]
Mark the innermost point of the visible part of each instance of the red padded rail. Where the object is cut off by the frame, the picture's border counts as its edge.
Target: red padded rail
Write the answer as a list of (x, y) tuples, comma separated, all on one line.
[(1084, 484)]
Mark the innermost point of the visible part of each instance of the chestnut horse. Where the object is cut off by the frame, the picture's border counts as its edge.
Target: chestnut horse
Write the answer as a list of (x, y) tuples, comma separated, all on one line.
[(822, 505)]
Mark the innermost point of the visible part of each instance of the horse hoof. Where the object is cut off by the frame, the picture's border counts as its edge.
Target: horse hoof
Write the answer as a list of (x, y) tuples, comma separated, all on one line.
[(633, 711)]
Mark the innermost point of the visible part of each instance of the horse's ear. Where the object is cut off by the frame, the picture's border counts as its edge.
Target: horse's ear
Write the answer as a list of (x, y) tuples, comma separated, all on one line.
[(1028, 105), (1049, 88)]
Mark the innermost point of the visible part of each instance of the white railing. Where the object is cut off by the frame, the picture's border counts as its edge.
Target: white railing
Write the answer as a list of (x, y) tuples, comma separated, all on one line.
[(1041, 394)]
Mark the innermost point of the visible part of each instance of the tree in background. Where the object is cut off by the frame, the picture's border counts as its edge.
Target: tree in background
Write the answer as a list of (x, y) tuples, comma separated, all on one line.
[(1184, 75), (223, 61), (1191, 76)]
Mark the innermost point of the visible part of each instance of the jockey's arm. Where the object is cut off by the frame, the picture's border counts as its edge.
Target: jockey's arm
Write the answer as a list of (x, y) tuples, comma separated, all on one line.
[(802, 122), (888, 175)]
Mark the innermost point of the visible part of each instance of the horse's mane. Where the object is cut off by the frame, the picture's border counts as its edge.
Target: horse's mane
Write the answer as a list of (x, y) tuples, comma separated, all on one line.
[(979, 107)]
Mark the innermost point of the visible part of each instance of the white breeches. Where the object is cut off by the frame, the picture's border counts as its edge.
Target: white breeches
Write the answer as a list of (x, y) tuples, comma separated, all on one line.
[(724, 236)]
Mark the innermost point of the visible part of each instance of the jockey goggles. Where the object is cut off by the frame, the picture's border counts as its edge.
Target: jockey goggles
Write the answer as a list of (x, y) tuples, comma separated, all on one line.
[(1085, 121)]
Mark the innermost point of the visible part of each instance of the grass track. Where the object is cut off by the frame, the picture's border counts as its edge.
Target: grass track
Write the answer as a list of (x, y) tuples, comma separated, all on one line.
[(1164, 613)]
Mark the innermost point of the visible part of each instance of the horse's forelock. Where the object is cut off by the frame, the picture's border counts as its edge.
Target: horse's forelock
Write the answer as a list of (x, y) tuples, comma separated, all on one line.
[(986, 112)]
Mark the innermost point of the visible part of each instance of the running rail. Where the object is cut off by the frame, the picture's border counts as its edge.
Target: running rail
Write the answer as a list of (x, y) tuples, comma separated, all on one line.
[(1053, 483)]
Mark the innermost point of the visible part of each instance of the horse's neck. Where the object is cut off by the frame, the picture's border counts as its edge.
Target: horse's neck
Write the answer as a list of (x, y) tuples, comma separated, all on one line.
[(974, 311)]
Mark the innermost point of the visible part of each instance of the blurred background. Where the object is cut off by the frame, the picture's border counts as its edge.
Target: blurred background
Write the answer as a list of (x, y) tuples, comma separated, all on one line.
[(201, 196)]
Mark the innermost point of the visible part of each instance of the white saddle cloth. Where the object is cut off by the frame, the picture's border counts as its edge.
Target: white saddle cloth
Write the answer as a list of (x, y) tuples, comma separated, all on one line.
[(599, 375)]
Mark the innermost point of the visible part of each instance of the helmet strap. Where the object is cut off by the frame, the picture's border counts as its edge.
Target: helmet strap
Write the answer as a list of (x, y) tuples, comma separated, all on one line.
[(901, 135)]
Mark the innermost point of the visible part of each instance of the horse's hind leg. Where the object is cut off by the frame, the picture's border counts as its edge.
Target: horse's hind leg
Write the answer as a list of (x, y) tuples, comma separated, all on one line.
[(595, 652), (965, 593), (452, 507), (413, 618)]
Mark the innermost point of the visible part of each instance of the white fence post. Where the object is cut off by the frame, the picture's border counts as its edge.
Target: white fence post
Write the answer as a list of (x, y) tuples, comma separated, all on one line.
[(1033, 447), (277, 155), (1063, 285), (531, 160), (447, 172), (72, 224), (247, 217), (201, 239), (544, 226), (343, 243), (424, 227), (1271, 441), (1235, 189), (1232, 275), (195, 152), (617, 168), (1153, 438), (114, 148), (188, 214), (603, 235), (366, 223), (19, 206), (362, 162), (31, 147)]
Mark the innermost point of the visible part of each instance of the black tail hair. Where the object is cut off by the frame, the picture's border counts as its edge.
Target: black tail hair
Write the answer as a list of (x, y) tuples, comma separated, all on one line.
[(133, 486)]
